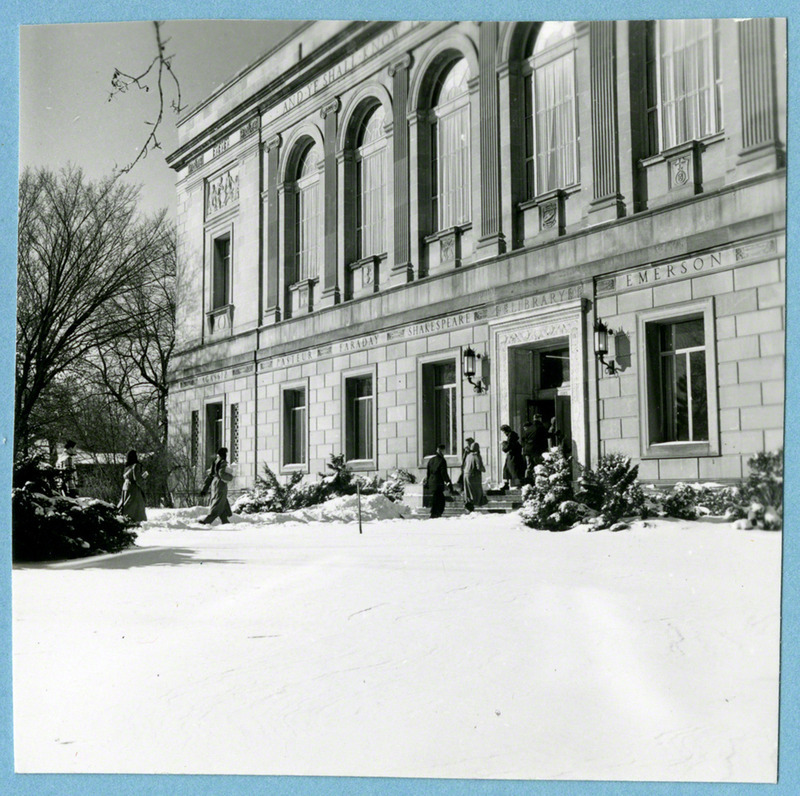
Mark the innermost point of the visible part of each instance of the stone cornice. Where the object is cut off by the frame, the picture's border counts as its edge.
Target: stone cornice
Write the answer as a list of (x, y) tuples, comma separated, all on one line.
[(328, 55)]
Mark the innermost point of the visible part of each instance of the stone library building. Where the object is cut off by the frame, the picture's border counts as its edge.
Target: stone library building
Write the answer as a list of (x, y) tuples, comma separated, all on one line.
[(394, 235)]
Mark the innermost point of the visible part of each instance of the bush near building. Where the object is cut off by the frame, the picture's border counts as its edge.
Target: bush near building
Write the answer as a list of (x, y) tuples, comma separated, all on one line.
[(47, 526), (270, 495)]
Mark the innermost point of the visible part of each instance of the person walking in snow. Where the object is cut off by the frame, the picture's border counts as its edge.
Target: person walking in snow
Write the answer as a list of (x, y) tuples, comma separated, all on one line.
[(131, 503), (436, 479), (217, 479)]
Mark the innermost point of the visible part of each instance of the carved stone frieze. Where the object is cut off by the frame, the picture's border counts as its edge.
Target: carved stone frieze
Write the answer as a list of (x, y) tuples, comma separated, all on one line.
[(222, 191)]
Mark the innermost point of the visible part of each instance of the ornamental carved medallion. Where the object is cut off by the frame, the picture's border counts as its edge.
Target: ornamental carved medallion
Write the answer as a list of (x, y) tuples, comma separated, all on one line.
[(679, 170), (548, 214)]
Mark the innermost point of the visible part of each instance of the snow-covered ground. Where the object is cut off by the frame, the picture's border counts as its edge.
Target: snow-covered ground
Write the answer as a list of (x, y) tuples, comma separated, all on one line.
[(468, 647)]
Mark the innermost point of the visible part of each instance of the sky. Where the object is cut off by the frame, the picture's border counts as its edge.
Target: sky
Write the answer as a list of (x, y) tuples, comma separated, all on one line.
[(65, 85)]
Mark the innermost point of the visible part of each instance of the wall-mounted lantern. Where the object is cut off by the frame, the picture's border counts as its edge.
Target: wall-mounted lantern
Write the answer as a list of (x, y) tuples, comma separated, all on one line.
[(470, 369), (601, 333)]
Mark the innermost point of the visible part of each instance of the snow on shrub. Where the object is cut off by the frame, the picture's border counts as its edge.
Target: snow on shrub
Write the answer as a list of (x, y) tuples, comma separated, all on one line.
[(50, 527), (756, 503), (612, 489), (270, 495), (548, 503), (394, 485)]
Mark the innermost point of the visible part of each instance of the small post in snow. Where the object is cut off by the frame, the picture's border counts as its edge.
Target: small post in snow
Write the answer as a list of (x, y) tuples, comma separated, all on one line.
[(358, 492)]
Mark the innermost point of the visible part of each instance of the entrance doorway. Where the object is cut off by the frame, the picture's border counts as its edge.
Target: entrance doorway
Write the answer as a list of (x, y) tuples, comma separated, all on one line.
[(540, 383)]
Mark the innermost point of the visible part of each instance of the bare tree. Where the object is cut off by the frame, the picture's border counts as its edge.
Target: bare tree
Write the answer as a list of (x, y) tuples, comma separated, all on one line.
[(158, 71), (81, 248), (132, 368)]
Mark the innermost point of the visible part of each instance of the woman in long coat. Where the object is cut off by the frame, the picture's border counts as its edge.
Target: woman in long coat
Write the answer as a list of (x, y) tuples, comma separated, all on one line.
[(514, 465), (131, 504), (473, 478), (219, 477)]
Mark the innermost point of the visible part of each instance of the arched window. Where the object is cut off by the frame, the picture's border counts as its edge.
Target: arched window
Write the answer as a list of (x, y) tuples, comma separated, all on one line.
[(684, 87), (450, 147), (551, 118), (371, 165), (308, 220)]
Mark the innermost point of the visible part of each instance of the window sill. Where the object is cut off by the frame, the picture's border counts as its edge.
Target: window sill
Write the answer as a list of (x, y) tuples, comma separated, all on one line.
[(289, 469), (459, 229), (686, 146), (545, 197), (220, 318), (361, 465), (679, 450)]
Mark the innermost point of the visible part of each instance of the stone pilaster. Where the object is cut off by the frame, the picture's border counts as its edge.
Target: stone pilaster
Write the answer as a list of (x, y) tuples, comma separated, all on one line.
[(761, 146), (330, 293), (402, 270), (606, 203), (272, 305), (490, 240)]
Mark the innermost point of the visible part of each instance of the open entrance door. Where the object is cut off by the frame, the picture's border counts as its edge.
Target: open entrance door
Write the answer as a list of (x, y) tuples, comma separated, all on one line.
[(541, 384)]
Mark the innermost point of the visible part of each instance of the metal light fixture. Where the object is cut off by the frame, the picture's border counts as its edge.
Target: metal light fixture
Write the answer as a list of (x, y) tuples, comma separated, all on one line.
[(470, 369), (601, 333)]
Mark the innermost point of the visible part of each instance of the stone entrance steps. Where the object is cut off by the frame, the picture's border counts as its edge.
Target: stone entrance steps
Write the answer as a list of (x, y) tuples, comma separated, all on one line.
[(498, 503)]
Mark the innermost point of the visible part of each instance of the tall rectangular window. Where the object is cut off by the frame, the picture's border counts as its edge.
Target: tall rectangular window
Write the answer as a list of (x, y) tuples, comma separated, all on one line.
[(221, 269), (234, 432), (359, 411), (439, 407), (682, 376), (294, 426), (690, 81), (309, 231), (454, 167), (556, 129), (194, 452), (679, 411)]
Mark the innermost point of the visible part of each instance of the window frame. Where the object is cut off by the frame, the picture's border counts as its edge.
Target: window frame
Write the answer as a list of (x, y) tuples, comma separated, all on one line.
[(295, 466), (439, 111), (539, 60), (214, 235), (373, 150), (444, 356), (714, 85), (303, 188), (371, 462), (649, 383)]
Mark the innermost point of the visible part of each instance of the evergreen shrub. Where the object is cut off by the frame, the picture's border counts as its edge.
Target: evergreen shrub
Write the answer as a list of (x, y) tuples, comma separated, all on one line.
[(47, 526), (50, 527), (612, 489), (548, 503), (270, 495)]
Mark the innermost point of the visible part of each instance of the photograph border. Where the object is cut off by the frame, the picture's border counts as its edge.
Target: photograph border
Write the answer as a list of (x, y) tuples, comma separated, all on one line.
[(97, 10)]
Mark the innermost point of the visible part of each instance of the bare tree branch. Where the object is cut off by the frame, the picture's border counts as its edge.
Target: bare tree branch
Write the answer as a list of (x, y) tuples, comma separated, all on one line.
[(159, 69)]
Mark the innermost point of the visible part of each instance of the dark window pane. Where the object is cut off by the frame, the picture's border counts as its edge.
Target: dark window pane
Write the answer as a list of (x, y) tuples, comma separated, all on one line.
[(689, 334), (699, 395), (681, 397)]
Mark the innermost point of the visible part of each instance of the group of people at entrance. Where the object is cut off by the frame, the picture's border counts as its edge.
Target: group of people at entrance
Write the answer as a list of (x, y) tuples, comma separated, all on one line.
[(522, 454)]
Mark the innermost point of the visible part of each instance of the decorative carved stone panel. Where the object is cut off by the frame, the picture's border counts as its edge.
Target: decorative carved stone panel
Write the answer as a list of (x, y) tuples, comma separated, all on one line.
[(222, 191), (448, 247)]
